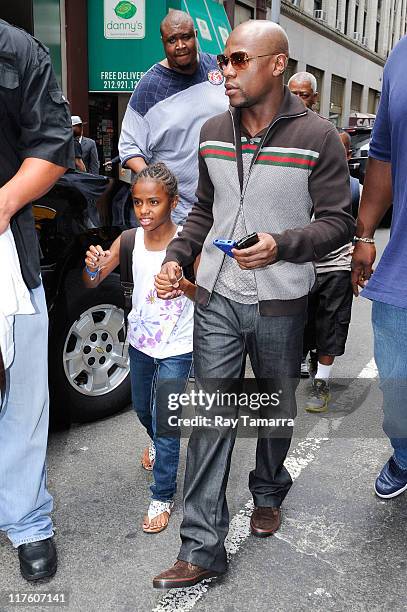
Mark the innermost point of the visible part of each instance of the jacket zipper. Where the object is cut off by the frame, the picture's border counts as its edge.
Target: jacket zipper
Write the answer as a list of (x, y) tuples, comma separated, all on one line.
[(243, 191)]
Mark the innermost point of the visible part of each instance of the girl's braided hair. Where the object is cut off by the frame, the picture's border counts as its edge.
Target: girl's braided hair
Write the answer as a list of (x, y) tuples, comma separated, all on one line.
[(160, 173)]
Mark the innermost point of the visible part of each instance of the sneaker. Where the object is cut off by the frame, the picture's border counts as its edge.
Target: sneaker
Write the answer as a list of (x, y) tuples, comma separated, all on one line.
[(391, 481), (304, 369), (319, 396)]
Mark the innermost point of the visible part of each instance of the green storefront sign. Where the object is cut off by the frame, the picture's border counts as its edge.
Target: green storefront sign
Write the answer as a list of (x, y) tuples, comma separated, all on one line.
[(124, 37)]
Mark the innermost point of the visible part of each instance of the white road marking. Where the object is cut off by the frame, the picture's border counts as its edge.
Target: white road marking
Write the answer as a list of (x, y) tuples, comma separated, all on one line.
[(183, 600)]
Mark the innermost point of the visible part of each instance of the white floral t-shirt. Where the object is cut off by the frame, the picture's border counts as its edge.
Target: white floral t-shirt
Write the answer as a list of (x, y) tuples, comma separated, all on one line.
[(159, 328)]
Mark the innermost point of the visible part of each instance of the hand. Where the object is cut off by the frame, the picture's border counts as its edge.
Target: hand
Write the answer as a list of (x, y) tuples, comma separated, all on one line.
[(167, 281), (97, 258), (260, 255), (363, 258)]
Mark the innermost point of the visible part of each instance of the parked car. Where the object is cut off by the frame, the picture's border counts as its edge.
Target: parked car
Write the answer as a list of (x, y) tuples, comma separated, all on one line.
[(88, 360), (360, 140)]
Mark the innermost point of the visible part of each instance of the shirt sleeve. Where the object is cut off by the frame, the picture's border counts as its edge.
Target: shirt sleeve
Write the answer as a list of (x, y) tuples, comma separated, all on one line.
[(45, 123), (135, 137), (380, 145), (334, 225)]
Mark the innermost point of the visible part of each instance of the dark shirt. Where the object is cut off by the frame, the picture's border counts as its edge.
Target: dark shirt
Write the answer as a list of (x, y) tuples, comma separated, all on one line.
[(34, 122)]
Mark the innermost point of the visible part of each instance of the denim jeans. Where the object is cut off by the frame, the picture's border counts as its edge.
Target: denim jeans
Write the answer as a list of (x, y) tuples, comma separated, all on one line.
[(25, 503), (146, 375), (390, 351), (224, 333)]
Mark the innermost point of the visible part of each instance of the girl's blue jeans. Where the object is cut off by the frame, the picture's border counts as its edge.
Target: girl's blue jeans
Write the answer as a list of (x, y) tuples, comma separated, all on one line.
[(147, 376)]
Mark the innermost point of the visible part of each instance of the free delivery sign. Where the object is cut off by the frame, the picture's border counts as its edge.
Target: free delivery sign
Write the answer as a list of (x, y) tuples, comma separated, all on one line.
[(125, 19)]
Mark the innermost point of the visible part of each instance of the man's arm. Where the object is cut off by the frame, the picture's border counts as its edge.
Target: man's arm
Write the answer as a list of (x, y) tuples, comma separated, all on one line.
[(183, 250), (377, 197), (45, 139), (330, 192), (79, 164), (377, 191), (135, 139), (136, 164), (187, 246), (34, 178)]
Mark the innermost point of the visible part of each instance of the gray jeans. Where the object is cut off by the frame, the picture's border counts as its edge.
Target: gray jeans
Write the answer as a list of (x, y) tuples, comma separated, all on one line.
[(224, 333)]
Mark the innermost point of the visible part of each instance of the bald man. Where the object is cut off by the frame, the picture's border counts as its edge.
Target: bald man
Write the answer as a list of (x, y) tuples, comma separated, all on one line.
[(304, 85), (169, 106), (330, 303), (264, 165)]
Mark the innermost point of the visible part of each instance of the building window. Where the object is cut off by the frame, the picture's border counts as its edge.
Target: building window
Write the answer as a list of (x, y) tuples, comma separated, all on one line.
[(376, 42), (290, 70), (336, 102), (319, 75), (355, 27), (317, 5), (356, 98), (243, 12), (373, 101)]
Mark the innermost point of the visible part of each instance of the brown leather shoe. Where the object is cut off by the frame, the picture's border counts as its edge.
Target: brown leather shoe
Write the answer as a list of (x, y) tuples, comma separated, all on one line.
[(265, 521), (181, 575)]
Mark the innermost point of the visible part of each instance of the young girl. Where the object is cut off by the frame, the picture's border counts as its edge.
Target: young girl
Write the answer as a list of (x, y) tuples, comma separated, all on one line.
[(159, 332)]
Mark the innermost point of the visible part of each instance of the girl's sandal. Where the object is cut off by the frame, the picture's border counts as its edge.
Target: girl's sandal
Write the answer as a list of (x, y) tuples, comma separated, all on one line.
[(148, 457), (155, 509)]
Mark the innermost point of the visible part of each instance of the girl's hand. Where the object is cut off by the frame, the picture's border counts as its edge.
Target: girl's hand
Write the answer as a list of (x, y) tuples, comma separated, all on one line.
[(167, 281), (96, 258)]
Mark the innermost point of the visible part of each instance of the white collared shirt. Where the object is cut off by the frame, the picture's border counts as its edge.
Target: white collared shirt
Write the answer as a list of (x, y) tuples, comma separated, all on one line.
[(14, 295)]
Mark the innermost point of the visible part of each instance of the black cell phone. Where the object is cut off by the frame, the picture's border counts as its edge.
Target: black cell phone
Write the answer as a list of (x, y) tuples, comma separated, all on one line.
[(247, 241)]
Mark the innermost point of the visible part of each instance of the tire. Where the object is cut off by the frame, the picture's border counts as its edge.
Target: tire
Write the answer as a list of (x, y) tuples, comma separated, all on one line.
[(89, 367)]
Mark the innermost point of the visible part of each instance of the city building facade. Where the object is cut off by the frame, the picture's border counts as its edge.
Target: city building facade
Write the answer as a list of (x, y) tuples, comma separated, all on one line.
[(344, 43)]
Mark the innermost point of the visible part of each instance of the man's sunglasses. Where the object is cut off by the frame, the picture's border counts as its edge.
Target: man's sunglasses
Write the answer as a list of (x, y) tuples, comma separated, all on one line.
[(239, 59)]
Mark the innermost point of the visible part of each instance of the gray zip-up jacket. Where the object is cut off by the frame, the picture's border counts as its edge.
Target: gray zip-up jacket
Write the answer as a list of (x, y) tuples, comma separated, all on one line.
[(300, 167)]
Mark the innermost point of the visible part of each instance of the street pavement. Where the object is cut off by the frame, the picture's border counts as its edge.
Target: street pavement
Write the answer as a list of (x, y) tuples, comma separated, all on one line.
[(339, 547)]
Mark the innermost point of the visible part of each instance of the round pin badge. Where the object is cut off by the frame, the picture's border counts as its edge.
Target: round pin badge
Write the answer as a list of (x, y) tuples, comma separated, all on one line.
[(215, 77)]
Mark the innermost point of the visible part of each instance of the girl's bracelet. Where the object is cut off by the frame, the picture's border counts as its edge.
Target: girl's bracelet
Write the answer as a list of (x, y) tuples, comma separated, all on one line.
[(92, 273)]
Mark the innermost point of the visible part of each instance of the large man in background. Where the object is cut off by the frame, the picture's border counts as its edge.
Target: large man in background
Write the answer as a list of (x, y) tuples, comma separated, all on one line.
[(36, 148), (169, 106), (385, 183)]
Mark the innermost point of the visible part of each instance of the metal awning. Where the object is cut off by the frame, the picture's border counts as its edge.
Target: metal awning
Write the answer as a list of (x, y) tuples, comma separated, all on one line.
[(211, 22)]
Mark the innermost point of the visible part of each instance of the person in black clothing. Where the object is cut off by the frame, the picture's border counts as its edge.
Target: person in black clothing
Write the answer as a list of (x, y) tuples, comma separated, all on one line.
[(36, 149)]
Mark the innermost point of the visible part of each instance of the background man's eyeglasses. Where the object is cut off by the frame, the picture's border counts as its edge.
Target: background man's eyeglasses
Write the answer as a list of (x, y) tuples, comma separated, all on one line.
[(239, 59)]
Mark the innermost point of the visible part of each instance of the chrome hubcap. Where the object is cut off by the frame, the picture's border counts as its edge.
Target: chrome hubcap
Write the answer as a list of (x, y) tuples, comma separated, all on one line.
[(95, 353)]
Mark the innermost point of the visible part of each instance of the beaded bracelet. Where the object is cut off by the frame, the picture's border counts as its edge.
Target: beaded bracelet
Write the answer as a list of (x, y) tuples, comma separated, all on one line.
[(92, 273)]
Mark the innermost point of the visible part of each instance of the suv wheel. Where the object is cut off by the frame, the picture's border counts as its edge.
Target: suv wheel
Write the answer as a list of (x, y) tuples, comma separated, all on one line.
[(89, 365)]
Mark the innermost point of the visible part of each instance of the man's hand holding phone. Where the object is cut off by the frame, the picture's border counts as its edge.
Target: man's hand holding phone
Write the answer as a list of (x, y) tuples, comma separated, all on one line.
[(260, 255)]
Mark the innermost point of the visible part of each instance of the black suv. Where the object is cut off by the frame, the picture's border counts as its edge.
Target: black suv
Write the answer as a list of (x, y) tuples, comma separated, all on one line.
[(88, 361), (360, 139)]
